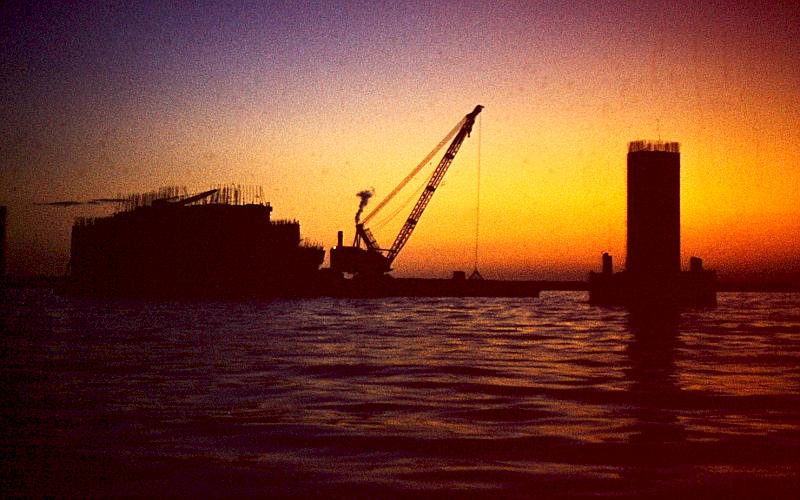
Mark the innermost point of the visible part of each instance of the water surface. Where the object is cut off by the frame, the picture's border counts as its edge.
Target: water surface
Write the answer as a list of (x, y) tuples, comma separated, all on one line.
[(383, 397)]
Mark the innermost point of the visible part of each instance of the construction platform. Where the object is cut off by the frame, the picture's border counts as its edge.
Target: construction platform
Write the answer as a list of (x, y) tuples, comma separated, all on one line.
[(696, 288), (386, 286)]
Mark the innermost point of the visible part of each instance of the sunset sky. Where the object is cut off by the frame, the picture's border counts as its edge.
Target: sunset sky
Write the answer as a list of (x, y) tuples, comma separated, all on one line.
[(316, 101)]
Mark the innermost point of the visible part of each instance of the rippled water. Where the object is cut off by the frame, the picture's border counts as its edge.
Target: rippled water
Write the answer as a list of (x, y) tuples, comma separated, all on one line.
[(384, 397)]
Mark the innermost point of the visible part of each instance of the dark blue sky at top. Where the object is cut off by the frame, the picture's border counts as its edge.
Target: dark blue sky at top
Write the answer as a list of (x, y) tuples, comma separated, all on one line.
[(70, 69), (142, 47), (156, 43), (159, 43)]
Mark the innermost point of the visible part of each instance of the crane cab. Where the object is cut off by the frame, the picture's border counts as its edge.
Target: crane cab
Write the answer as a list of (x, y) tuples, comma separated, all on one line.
[(356, 260)]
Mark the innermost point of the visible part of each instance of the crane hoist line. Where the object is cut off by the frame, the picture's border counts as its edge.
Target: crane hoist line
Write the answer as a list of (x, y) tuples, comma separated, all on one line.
[(366, 257)]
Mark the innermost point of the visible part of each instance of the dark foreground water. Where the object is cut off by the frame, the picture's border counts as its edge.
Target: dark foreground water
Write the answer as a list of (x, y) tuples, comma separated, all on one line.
[(378, 398)]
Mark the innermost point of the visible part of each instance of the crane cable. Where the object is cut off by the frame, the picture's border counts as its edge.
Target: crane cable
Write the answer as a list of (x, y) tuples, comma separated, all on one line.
[(475, 274), (415, 194), (416, 170)]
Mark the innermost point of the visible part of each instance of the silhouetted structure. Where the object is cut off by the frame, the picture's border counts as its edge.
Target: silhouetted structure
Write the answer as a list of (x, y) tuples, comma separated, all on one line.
[(374, 260), (652, 274), (654, 210), (216, 244), (2, 242), (457, 286)]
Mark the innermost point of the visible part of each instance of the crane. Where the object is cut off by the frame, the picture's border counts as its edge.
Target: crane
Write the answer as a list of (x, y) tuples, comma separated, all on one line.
[(371, 259)]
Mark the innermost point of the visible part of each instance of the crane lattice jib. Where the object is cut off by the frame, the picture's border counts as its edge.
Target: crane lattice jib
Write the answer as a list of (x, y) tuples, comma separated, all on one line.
[(367, 238), (433, 183), (416, 170)]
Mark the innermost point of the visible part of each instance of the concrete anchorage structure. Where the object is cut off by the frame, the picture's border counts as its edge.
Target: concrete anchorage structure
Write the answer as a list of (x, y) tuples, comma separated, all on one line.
[(653, 273), (219, 243)]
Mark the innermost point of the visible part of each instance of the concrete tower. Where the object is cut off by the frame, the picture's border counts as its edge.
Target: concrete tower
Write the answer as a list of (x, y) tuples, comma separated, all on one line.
[(654, 211), (653, 275)]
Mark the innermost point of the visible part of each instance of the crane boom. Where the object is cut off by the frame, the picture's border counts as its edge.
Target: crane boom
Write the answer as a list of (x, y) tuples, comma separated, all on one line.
[(433, 183), (374, 260), (416, 170)]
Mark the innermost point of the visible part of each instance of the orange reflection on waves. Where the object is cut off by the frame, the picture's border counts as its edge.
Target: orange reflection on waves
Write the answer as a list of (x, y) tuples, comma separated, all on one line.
[(744, 364), (757, 380)]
